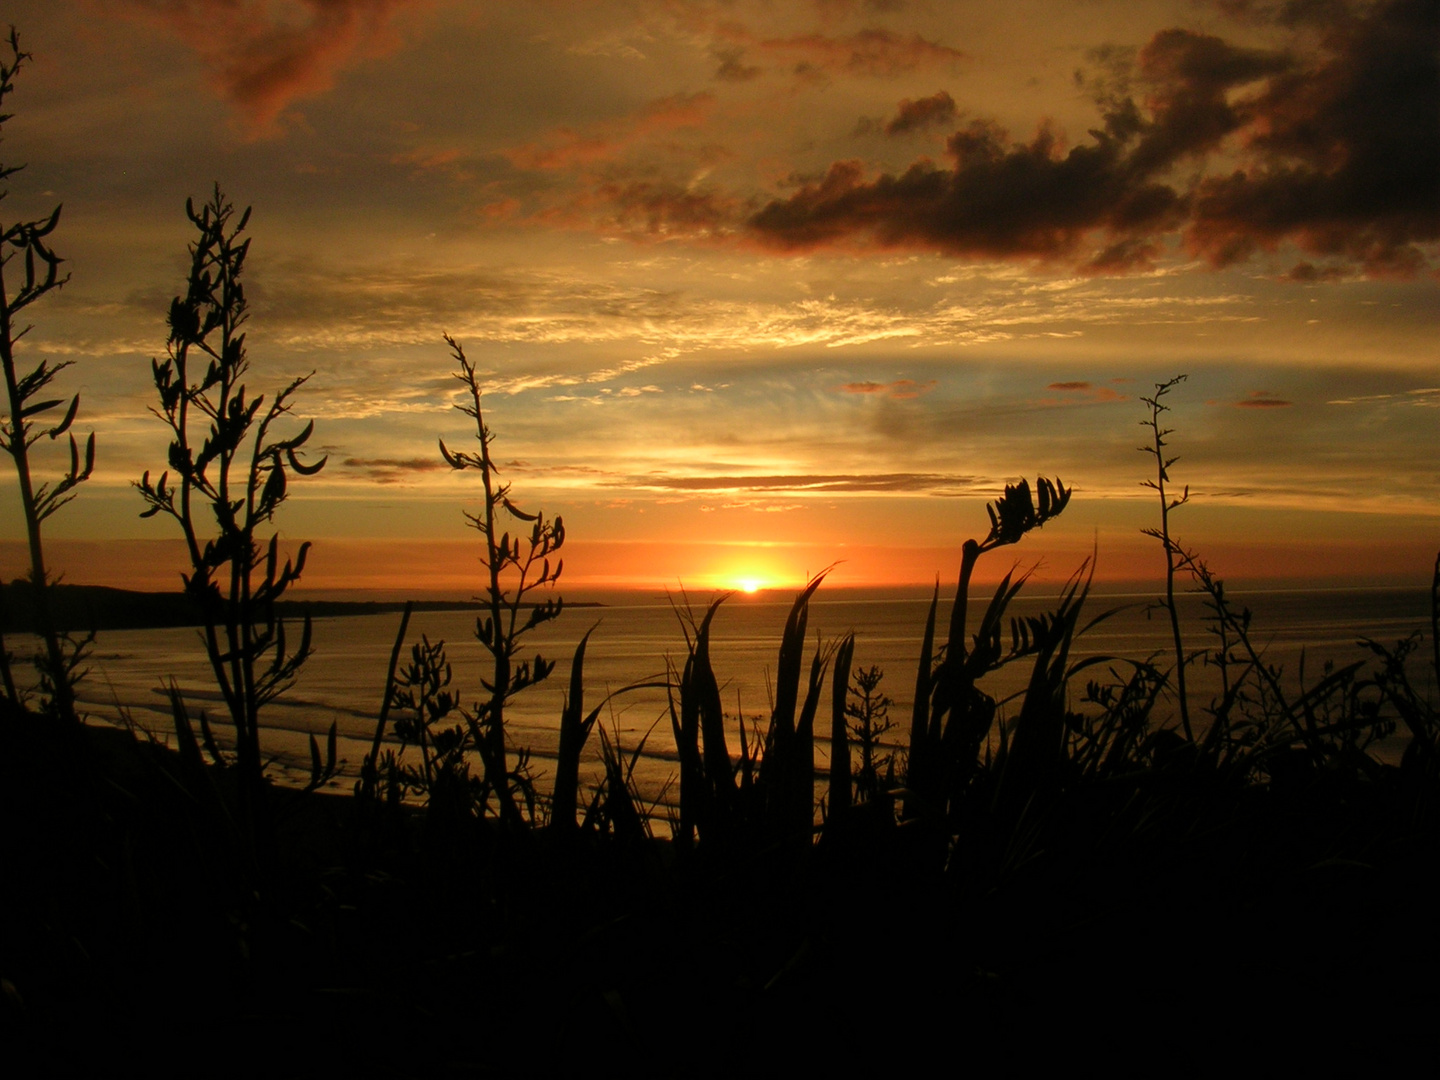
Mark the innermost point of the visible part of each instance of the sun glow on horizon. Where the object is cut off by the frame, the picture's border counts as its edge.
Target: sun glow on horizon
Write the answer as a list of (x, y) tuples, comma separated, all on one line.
[(750, 578)]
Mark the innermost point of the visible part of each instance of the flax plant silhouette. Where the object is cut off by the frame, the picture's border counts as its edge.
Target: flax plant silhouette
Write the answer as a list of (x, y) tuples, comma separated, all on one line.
[(1173, 554), (515, 567), (952, 719), (59, 664), (868, 712), (230, 467)]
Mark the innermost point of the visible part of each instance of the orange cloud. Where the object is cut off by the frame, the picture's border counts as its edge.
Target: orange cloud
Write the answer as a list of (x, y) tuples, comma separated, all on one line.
[(262, 55), (899, 389), (1081, 393), (565, 148), (1262, 399)]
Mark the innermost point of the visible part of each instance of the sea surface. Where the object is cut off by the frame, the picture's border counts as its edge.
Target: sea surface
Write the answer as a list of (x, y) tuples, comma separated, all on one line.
[(636, 637)]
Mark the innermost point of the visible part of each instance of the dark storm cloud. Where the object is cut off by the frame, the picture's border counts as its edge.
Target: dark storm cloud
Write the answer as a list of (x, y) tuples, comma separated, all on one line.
[(1339, 155), (999, 200), (938, 108), (1348, 151), (1190, 77)]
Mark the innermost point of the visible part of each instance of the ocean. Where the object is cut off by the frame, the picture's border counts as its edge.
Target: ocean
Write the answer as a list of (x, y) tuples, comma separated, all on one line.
[(637, 635)]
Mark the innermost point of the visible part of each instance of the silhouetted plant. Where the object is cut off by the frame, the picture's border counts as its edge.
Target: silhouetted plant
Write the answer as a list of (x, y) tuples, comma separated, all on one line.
[(1421, 717), (869, 713), (1173, 554), (952, 718), (575, 727), (229, 470), (1256, 724), (840, 797), (1118, 738), (617, 808), (785, 779), (421, 695), (366, 786), (708, 795), (14, 698), (1042, 740), (1259, 725), (767, 795), (513, 571), (59, 664)]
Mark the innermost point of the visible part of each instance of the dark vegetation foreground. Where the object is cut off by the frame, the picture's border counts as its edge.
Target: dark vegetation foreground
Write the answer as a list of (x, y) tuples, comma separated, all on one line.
[(1168, 919)]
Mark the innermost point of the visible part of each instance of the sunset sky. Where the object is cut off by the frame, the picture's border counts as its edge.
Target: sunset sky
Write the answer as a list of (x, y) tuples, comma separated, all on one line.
[(757, 287)]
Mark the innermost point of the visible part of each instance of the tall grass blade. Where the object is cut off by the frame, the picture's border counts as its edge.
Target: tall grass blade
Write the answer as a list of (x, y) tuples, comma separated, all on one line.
[(1435, 617), (787, 681), (691, 771), (368, 769), (618, 805), (839, 800), (802, 769), (572, 741), (920, 763), (719, 772), (207, 738)]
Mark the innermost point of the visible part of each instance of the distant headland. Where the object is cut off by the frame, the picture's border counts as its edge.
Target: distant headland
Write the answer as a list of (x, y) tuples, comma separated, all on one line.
[(99, 607)]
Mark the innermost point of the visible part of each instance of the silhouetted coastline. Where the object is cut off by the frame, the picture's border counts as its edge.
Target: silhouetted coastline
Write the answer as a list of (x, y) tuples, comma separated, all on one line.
[(101, 607)]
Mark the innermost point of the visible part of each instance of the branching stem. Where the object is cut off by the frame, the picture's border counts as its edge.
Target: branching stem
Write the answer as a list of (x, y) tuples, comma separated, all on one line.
[(1172, 550)]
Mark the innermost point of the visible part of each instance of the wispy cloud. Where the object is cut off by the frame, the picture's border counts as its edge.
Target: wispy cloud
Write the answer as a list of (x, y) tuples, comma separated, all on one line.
[(392, 470), (1262, 399), (311, 306), (1424, 396), (566, 148), (872, 52), (810, 483)]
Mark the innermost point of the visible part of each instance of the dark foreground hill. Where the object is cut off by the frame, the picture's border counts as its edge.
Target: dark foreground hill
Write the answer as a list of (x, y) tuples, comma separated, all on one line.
[(1294, 924)]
